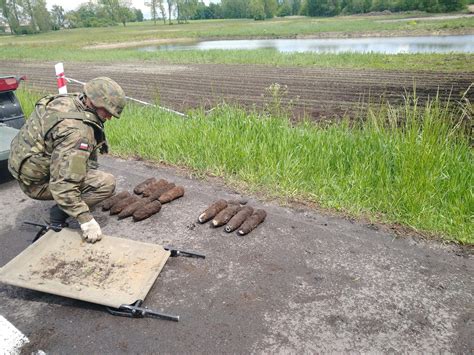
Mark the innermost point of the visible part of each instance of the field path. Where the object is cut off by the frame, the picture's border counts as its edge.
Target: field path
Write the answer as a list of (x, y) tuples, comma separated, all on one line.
[(319, 92)]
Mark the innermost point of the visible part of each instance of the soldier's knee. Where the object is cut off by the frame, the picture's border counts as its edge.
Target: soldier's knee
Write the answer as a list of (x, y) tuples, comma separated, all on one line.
[(109, 184)]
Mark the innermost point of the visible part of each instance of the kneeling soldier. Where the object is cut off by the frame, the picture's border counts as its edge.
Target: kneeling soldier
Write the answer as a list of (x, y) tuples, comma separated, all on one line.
[(54, 156)]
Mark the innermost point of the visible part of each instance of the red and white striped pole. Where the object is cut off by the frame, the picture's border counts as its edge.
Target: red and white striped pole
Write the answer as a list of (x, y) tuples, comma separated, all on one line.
[(61, 79)]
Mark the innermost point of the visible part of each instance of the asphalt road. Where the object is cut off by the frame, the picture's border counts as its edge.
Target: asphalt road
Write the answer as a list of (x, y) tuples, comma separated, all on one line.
[(302, 282)]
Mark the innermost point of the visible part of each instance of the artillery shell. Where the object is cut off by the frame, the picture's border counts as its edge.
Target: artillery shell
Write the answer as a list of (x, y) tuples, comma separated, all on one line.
[(173, 194), (155, 195), (154, 186), (212, 211), (252, 222), (225, 215), (128, 211), (109, 202), (143, 185), (236, 221), (121, 204), (146, 211)]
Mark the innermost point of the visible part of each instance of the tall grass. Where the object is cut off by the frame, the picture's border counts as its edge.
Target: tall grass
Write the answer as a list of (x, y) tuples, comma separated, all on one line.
[(411, 165)]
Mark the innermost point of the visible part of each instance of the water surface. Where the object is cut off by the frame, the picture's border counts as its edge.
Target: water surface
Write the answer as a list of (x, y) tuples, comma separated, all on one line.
[(387, 45)]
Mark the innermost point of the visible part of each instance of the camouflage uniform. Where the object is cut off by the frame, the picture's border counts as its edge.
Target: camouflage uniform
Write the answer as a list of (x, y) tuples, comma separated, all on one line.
[(54, 156)]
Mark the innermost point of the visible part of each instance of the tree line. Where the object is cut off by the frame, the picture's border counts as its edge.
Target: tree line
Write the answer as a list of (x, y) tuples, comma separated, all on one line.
[(32, 16)]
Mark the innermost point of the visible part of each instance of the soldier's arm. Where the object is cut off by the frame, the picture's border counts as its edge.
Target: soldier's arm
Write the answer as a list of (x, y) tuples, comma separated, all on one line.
[(71, 150)]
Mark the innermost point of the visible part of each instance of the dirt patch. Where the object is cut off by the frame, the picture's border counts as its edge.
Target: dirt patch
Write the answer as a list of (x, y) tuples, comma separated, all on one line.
[(93, 268), (146, 42)]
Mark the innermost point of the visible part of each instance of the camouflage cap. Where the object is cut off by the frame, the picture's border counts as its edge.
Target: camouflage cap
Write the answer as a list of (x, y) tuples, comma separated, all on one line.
[(106, 93)]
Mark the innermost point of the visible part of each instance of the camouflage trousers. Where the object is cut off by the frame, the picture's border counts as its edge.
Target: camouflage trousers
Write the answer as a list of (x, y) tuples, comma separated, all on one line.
[(96, 187)]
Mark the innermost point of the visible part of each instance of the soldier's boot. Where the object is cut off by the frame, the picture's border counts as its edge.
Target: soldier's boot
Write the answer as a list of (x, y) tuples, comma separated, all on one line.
[(57, 218), (57, 221)]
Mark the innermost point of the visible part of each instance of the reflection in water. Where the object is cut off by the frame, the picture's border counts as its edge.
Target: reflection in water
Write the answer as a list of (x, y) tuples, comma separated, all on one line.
[(388, 45)]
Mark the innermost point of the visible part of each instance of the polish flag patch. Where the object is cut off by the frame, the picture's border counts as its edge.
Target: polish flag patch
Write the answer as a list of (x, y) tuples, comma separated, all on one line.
[(84, 146)]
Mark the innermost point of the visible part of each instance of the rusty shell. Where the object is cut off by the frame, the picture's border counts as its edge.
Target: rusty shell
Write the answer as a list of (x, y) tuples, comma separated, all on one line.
[(120, 205), (143, 185), (147, 210), (160, 191), (212, 211), (225, 215), (252, 222), (154, 186), (236, 221), (128, 211), (173, 194), (108, 203)]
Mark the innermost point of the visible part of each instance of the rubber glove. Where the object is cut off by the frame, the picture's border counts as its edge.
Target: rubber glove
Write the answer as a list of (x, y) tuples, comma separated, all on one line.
[(91, 232)]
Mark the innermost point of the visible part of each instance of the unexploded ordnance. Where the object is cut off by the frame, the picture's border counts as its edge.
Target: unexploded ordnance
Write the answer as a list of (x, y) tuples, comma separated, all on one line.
[(154, 186), (109, 202), (146, 211), (225, 215), (128, 211), (121, 204), (143, 185), (173, 194), (212, 211), (236, 221), (252, 222), (155, 195)]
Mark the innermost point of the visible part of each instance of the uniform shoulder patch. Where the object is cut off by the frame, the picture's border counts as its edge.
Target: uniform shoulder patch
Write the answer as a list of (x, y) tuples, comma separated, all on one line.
[(83, 144)]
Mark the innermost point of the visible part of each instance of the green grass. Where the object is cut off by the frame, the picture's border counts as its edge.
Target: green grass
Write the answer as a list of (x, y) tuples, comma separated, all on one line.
[(67, 45), (416, 170)]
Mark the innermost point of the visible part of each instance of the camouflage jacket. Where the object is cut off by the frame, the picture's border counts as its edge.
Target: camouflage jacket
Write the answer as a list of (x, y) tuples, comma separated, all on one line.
[(56, 146)]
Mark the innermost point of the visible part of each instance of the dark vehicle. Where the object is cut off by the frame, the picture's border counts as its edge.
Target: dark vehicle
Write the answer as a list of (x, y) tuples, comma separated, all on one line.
[(11, 113), (11, 119)]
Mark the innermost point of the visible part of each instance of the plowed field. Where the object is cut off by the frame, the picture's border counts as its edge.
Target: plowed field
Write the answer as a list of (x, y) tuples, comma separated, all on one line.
[(320, 92)]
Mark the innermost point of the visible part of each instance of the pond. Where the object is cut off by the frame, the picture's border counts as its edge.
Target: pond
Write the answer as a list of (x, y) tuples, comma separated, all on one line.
[(387, 45)]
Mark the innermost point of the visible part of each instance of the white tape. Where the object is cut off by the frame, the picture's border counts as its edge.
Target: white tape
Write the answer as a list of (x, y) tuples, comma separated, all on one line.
[(11, 339), (136, 100)]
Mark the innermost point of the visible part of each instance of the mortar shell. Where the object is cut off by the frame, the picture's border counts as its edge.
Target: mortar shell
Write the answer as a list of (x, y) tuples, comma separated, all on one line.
[(147, 210), (212, 211), (236, 221), (155, 195), (173, 194), (143, 185), (109, 202), (120, 205), (225, 215), (252, 222), (128, 211), (154, 186)]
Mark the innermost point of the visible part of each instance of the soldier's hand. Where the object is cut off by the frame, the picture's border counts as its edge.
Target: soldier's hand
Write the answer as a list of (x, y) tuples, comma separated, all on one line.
[(91, 232)]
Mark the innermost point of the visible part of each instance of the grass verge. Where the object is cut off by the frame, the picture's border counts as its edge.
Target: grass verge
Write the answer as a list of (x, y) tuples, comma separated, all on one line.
[(410, 165)]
